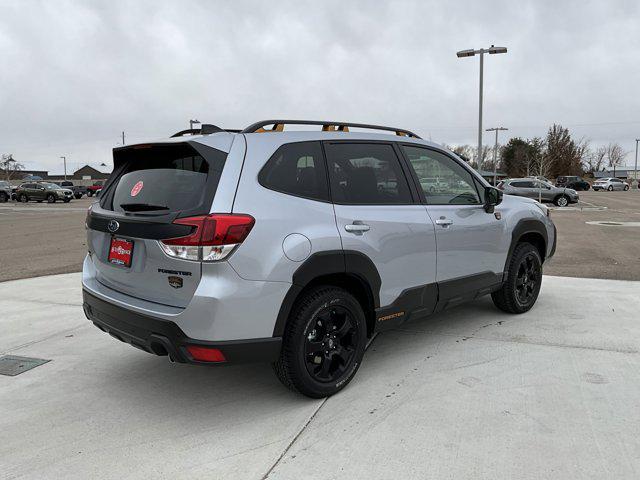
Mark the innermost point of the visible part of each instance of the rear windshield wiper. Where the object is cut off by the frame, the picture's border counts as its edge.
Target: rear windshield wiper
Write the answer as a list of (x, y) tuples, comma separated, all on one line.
[(142, 207)]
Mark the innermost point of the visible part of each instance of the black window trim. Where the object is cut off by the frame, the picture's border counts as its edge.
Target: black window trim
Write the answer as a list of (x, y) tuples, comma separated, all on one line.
[(323, 157), (415, 197), (416, 181)]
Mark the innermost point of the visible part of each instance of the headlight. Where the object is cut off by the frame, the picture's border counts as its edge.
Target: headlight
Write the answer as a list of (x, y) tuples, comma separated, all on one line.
[(544, 208)]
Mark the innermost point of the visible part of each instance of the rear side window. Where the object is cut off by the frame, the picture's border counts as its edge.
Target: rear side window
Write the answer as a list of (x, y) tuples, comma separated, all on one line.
[(366, 174), (523, 184), (297, 169), (166, 178)]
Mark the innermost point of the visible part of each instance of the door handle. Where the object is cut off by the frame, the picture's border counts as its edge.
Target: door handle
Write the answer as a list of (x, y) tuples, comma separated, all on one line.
[(357, 228), (444, 222)]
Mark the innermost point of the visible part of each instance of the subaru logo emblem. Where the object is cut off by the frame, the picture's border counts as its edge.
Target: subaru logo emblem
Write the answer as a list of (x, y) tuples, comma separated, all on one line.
[(113, 226)]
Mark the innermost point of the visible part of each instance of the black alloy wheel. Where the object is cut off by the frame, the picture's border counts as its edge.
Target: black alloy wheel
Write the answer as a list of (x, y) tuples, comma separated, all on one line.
[(522, 282), (51, 198), (24, 198), (330, 343), (323, 343)]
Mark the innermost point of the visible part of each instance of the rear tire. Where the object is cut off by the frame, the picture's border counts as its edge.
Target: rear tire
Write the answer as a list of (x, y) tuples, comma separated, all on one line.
[(610, 188), (3, 197), (626, 187), (521, 287), (323, 343), (561, 201)]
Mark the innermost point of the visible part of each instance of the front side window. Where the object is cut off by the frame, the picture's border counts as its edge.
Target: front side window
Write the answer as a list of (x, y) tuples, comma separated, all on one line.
[(297, 169), (366, 174), (443, 180)]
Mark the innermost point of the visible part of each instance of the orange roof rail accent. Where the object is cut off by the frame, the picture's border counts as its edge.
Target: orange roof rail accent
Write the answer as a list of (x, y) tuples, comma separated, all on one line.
[(278, 126)]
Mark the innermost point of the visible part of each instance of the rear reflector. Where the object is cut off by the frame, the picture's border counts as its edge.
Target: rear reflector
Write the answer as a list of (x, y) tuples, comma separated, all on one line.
[(206, 354), (212, 237)]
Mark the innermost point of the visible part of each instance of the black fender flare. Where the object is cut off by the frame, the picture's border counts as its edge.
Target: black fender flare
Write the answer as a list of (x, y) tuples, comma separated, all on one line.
[(523, 227), (327, 263)]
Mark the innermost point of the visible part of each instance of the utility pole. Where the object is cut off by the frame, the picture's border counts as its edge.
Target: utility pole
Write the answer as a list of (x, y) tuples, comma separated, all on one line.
[(495, 153), (64, 159), (635, 168), (470, 53)]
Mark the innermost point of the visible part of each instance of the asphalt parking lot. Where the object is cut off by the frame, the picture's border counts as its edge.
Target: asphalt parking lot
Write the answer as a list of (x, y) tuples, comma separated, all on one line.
[(471, 393), (41, 239)]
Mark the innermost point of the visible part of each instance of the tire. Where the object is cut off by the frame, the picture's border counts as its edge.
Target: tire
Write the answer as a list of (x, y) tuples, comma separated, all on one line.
[(3, 197), (23, 198), (610, 188), (561, 201), (520, 290), (51, 198), (90, 193), (66, 200), (78, 197), (303, 366), (626, 187)]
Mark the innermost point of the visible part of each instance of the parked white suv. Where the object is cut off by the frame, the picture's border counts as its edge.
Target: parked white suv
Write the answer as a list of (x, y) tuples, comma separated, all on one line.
[(295, 247)]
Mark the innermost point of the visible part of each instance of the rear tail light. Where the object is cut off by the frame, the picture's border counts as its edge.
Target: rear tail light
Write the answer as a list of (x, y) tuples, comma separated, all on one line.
[(206, 354), (212, 238)]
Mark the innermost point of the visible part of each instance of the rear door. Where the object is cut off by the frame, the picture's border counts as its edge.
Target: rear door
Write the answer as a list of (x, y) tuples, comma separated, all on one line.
[(469, 240), (377, 215), (152, 185)]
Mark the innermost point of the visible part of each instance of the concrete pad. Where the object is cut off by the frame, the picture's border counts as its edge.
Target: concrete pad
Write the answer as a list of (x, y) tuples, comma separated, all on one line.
[(470, 393)]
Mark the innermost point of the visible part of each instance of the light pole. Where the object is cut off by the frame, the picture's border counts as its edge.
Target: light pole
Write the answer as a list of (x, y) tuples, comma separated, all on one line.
[(495, 153), (191, 122), (635, 168), (470, 53), (64, 159)]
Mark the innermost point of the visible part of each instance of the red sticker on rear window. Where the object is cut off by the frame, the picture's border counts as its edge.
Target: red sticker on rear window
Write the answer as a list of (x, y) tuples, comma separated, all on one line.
[(136, 188)]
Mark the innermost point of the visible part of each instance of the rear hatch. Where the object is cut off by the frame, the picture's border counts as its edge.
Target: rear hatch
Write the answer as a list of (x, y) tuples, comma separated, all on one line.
[(151, 189)]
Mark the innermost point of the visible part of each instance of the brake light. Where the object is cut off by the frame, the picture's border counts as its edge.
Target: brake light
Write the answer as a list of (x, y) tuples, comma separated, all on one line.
[(212, 238), (206, 354)]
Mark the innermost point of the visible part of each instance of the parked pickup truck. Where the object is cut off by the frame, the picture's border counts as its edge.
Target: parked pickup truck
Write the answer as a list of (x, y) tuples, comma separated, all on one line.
[(78, 190), (95, 188)]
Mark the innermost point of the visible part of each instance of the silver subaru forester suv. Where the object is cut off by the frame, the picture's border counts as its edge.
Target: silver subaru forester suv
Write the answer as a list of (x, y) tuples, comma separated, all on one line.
[(296, 247)]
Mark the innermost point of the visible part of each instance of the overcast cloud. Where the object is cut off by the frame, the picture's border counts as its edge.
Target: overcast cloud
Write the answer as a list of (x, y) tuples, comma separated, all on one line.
[(74, 74)]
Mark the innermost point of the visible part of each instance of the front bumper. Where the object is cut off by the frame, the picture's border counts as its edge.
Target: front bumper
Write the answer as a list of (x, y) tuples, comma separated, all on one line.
[(163, 337)]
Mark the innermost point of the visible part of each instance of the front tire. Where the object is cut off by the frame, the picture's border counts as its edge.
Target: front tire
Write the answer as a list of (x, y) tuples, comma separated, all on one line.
[(626, 187), (3, 197), (90, 193), (51, 198), (561, 201), (23, 198), (323, 344), (520, 290), (610, 188)]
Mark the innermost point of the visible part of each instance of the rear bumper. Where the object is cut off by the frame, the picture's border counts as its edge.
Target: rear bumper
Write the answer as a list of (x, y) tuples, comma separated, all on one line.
[(163, 337)]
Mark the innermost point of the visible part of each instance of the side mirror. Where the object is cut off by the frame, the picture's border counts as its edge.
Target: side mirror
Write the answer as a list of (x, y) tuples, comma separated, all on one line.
[(492, 197)]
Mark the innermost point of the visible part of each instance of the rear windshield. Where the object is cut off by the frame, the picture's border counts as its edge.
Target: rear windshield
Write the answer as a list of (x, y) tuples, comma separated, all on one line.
[(166, 178)]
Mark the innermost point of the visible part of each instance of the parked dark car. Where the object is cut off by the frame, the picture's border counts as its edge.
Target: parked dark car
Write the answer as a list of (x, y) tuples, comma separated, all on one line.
[(78, 190), (5, 191), (95, 188), (42, 191), (572, 182)]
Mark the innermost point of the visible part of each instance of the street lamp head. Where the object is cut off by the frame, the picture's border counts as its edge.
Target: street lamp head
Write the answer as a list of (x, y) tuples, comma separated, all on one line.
[(466, 53), (494, 50)]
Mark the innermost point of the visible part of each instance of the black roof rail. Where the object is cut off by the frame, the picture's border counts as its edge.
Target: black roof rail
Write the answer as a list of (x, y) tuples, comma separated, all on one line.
[(205, 129), (327, 126)]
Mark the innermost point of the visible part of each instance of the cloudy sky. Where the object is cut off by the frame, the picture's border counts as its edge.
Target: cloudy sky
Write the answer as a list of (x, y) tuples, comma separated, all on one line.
[(75, 74)]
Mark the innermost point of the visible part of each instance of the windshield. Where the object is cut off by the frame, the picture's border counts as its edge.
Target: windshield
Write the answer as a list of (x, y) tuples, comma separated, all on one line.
[(50, 186)]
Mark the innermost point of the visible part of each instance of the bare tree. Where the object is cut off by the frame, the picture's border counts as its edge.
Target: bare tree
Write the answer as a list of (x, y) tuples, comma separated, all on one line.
[(10, 166), (594, 159), (615, 155)]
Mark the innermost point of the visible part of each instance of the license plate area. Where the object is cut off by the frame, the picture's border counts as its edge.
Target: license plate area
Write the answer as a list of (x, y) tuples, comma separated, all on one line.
[(120, 252)]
